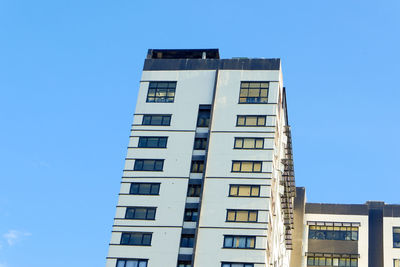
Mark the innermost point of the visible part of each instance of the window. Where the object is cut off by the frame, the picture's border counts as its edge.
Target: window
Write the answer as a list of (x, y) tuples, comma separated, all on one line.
[(333, 232), (144, 188), (244, 191), (253, 92), (396, 263), (249, 143), (246, 166), (132, 263), (136, 238), (203, 119), (184, 264), (161, 92), (187, 241), (153, 142), (161, 120), (239, 241), (396, 237), (197, 166), (140, 213), (251, 120), (241, 216), (235, 264), (191, 215), (332, 261), (149, 165), (194, 190), (200, 143)]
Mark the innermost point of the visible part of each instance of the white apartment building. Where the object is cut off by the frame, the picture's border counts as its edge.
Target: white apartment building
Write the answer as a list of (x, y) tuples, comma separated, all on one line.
[(208, 178)]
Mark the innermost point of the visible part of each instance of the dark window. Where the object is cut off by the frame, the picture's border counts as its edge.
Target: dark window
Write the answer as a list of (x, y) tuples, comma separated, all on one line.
[(246, 166), (191, 215), (244, 191), (184, 264), (197, 166), (140, 213), (396, 263), (200, 143), (231, 241), (144, 188), (333, 232), (251, 120), (131, 262), (396, 237), (332, 261), (236, 264), (153, 142), (194, 190), (249, 143), (241, 215), (148, 165), (136, 238), (161, 120), (161, 92), (253, 92), (187, 241), (203, 120)]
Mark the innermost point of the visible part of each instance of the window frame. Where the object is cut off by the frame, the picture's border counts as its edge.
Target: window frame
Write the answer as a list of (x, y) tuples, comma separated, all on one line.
[(197, 189), (192, 216), (144, 234), (190, 240), (229, 264), (144, 194), (147, 217), (203, 141), (315, 261), (145, 139), (203, 121), (167, 117), (138, 260), (157, 89), (251, 190), (333, 233), (247, 161), (156, 161), (255, 139), (247, 116), (238, 210), (246, 237), (195, 167), (398, 236), (259, 98)]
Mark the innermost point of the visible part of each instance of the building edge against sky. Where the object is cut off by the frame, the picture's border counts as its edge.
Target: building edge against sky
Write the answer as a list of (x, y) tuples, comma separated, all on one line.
[(209, 179)]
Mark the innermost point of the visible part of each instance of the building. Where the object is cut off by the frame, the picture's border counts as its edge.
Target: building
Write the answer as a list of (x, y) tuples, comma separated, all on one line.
[(365, 235), (208, 178)]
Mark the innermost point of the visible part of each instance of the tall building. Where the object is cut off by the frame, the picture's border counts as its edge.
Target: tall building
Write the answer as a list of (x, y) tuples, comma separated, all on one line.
[(208, 178)]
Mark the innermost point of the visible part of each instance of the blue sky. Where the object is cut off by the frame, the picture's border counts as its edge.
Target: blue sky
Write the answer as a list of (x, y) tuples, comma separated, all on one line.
[(69, 75)]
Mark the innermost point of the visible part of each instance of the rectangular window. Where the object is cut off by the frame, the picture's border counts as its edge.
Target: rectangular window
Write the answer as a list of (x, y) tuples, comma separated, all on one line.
[(131, 263), (241, 215), (144, 189), (160, 120), (187, 241), (332, 261), (332, 232), (184, 264), (141, 213), (197, 166), (194, 190), (397, 263), (246, 166), (155, 165), (200, 143), (161, 92), (191, 215), (231, 241), (396, 237), (249, 143), (152, 142), (203, 119), (236, 264), (244, 191), (251, 120), (136, 238), (253, 92)]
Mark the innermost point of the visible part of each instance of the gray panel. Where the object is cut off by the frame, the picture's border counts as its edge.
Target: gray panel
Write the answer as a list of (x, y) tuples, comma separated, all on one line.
[(346, 209), (375, 234), (333, 246), (192, 205), (185, 257), (186, 231), (198, 157), (391, 211)]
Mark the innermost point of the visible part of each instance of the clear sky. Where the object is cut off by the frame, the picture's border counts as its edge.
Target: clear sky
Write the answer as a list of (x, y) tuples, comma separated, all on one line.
[(69, 75)]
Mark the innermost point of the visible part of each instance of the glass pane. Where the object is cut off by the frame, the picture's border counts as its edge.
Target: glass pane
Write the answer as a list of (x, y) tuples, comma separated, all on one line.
[(136, 239), (155, 188), (233, 190), (248, 143), (259, 143), (142, 264), (132, 263), (120, 263), (240, 121), (335, 262), (231, 216), (156, 120), (247, 166), (254, 85), (238, 143), (328, 262), (244, 190), (242, 216), (250, 242), (228, 242), (236, 167), (166, 120), (158, 165), (264, 92), (254, 92), (396, 230), (146, 239), (146, 120), (145, 189), (257, 167), (354, 263), (129, 213), (342, 262), (244, 92), (140, 213), (253, 216), (151, 213), (240, 242), (134, 188), (310, 261), (255, 191), (125, 239), (261, 121), (138, 165), (251, 121), (244, 85), (264, 85), (151, 92)]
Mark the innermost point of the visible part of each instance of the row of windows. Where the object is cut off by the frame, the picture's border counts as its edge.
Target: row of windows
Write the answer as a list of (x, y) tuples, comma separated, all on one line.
[(233, 264), (140, 213), (250, 92), (239, 242), (241, 216), (203, 120), (330, 261), (333, 233), (246, 166), (136, 238), (143, 263), (132, 263)]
